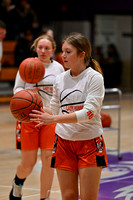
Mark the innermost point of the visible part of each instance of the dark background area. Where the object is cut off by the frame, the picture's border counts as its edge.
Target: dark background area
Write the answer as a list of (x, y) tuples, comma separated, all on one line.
[(78, 10), (55, 14)]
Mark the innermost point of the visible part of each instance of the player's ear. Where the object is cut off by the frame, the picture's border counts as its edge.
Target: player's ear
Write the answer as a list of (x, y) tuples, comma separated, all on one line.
[(53, 50), (82, 54)]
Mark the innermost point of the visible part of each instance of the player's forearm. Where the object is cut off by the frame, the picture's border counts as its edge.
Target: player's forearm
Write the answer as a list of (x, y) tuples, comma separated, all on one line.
[(43, 117), (66, 118)]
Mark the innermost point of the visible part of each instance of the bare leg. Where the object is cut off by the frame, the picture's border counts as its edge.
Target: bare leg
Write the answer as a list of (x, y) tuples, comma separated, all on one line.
[(47, 173), (89, 182), (28, 160), (68, 182)]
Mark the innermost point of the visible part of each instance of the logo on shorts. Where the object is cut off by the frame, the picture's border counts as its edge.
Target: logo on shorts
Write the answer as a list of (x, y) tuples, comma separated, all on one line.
[(99, 144)]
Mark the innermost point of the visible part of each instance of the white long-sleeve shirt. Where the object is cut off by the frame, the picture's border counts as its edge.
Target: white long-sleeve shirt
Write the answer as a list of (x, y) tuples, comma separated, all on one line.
[(45, 86), (82, 94)]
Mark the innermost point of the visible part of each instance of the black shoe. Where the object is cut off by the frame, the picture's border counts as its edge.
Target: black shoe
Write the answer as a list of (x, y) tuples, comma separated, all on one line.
[(15, 193)]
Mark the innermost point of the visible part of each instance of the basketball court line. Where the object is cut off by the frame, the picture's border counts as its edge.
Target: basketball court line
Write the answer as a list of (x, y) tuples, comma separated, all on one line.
[(30, 189), (116, 181), (117, 177)]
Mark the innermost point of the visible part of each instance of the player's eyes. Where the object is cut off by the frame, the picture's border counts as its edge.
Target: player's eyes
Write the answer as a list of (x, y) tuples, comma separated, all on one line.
[(40, 48), (47, 48), (66, 52)]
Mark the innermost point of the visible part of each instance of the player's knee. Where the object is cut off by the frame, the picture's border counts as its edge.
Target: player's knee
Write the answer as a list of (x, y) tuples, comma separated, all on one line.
[(28, 166), (71, 195), (46, 156)]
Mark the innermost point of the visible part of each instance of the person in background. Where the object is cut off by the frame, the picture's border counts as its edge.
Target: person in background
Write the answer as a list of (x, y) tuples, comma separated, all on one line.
[(79, 153), (27, 17), (22, 50), (2, 36), (33, 138), (47, 31), (58, 53), (9, 15), (99, 56), (112, 67)]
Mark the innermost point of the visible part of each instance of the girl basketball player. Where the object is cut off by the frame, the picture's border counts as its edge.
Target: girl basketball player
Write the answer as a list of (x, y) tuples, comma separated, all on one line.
[(79, 151), (33, 137)]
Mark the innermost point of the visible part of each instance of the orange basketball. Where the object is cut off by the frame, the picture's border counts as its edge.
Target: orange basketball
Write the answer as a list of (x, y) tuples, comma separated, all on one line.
[(105, 119), (23, 102), (32, 70)]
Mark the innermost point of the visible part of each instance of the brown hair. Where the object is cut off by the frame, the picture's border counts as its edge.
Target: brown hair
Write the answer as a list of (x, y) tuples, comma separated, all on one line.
[(81, 43), (48, 37)]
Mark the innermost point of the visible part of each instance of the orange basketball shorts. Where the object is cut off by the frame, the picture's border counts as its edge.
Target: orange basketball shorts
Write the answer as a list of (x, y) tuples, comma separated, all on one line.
[(32, 137), (72, 155), (18, 134)]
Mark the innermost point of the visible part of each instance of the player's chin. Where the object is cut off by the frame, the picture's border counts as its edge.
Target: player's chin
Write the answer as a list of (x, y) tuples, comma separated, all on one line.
[(43, 58), (66, 65)]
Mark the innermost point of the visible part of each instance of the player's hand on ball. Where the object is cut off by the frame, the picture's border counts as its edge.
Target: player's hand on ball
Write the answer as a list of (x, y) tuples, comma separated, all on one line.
[(41, 117)]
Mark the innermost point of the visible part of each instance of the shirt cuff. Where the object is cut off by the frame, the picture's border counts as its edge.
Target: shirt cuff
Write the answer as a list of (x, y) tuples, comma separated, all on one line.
[(84, 115)]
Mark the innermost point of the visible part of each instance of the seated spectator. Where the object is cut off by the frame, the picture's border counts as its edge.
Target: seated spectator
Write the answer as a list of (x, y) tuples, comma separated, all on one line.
[(2, 36)]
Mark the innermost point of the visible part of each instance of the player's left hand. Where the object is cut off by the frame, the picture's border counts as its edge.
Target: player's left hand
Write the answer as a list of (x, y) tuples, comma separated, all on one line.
[(41, 117)]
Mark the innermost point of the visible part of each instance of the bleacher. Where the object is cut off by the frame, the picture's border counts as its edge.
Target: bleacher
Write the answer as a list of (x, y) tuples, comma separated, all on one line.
[(8, 72)]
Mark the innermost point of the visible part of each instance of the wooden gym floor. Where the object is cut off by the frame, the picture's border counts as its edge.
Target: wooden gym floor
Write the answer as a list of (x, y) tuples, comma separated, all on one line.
[(9, 156)]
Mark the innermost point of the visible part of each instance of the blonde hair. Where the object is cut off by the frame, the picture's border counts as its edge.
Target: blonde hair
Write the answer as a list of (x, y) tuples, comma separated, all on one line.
[(48, 37), (81, 43)]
